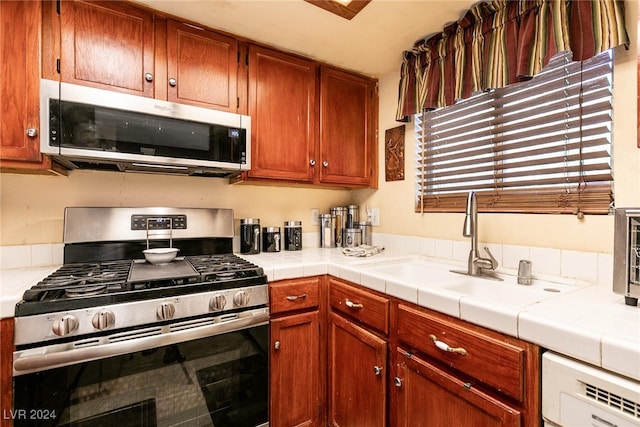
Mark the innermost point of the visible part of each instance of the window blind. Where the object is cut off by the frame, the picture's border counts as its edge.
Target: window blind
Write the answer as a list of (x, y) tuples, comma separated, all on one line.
[(541, 146)]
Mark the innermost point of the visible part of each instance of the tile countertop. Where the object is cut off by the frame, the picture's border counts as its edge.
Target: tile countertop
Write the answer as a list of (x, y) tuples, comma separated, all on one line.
[(586, 322)]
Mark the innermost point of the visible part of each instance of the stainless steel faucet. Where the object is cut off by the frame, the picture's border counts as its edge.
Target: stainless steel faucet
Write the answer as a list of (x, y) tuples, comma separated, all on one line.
[(476, 265)]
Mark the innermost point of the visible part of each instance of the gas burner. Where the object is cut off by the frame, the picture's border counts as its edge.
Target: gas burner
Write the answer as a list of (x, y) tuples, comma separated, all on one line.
[(85, 291)]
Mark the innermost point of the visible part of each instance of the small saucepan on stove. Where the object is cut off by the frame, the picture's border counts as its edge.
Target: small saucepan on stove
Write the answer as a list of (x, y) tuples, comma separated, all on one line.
[(160, 255)]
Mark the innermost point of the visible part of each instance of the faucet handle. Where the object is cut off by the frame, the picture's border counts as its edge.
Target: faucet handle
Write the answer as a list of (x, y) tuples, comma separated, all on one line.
[(494, 262)]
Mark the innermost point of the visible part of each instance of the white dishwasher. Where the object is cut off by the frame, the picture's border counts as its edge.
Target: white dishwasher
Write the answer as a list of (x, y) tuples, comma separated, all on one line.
[(575, 394)]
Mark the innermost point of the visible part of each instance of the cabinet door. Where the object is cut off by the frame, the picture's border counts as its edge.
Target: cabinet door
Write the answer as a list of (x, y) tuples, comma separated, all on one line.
[(427, 396), (6, 365), (19, 87), (295, 370), (109, 45), (357, 375), (202, 67), (347, 128), (282, 106)]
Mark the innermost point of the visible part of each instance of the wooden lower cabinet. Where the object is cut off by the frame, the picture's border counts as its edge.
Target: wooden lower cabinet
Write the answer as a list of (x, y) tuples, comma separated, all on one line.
[(427, 396), (295, 368), (297, 358), (357, 375), (344, 355), (451, 372), (6, 371)]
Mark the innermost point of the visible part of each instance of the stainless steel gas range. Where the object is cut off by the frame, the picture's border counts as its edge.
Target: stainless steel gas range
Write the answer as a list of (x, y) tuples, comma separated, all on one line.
[(110, 338)]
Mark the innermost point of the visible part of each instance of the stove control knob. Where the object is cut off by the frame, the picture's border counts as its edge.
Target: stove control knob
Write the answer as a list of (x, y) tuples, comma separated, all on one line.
[(166, 310), (217, 302), (103, 320), (65, 325), (241, 299)]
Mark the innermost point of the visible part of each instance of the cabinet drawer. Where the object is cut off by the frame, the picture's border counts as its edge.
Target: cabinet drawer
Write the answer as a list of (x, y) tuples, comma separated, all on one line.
[(363, 306), (491, 358), (296, 294)]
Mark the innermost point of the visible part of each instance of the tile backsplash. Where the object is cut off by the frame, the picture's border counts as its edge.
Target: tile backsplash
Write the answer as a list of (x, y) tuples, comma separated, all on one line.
[(547, 263)]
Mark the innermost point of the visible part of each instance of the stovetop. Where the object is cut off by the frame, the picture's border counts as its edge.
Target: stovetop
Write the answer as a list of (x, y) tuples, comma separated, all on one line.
[(82, 285)]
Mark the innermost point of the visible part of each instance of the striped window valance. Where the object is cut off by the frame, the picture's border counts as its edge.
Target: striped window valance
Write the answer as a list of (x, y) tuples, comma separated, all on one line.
[(499, 42)]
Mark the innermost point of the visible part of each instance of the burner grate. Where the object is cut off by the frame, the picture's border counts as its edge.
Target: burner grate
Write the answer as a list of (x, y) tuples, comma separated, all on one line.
[(218, 268), (79, 280)]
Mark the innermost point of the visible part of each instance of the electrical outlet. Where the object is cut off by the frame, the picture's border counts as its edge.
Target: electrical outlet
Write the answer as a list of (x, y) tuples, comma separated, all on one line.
[(373, 214), (315, 216)]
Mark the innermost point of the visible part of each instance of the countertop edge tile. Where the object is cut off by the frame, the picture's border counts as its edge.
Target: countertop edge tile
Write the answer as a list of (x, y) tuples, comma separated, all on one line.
[(562, 337), (620, 355), (499, 318)]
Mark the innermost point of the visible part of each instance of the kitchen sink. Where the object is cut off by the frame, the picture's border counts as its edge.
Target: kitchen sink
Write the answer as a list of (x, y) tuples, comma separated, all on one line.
[(506, 292), (415, 271), (434, 277)]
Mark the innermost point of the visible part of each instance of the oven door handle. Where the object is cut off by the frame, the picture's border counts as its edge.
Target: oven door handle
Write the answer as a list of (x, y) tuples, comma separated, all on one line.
[(58, 355)]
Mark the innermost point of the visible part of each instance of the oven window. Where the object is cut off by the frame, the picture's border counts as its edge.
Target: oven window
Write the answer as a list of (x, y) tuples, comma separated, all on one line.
[(215, 381)]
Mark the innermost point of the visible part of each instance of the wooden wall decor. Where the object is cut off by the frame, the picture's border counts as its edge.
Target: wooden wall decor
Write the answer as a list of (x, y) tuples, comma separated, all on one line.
[(394, 154)]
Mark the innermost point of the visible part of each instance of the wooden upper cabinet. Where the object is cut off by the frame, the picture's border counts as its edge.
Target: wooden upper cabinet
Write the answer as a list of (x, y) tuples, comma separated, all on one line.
[(347, 128), (116, 46), (19, 88), (282, 106), (109, 45), (202, 67)]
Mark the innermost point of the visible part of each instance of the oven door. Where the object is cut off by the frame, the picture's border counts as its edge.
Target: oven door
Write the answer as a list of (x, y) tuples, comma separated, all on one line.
[(218, 380)]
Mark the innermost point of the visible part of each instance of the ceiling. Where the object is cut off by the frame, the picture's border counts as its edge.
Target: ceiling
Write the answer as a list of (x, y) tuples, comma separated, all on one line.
[(371, 43)]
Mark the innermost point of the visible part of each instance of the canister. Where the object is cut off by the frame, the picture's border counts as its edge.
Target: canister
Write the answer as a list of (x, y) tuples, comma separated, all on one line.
[(353, 237), (352, 216), (327, 231), (340, 213), (365, 230), (249, 236), (293, 235), (271, 239)]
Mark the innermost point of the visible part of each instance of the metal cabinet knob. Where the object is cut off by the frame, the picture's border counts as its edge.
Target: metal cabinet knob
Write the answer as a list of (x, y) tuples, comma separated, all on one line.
[(397, 382), (325, 163), (148, 77), (32, 132), (276, 345), (312, 162), (173, 82), (377, 370)]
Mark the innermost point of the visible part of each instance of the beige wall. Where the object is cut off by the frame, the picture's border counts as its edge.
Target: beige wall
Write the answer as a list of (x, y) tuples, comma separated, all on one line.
[(32, 207), (593, 234)]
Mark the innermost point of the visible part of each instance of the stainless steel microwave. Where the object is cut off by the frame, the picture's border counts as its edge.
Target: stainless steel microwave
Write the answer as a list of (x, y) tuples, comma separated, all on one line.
[(626, 254), (88, 128)]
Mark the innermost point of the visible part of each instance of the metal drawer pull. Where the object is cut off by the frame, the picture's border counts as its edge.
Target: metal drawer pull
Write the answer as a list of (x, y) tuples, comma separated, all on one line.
[(445, 347), (353, 304), (377, 370), (397, 382), (296, 297)]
